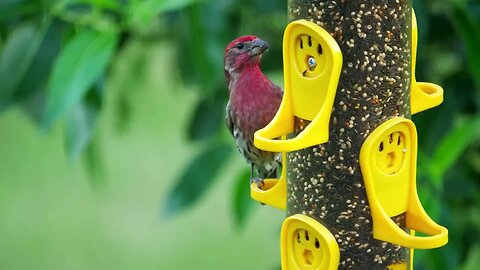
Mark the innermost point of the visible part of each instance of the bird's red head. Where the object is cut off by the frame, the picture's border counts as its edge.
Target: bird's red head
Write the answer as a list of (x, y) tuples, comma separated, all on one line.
[(242, 52)]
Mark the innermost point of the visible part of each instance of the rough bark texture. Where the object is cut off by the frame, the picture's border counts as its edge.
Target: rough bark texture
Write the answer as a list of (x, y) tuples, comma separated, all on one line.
[(325, 181)]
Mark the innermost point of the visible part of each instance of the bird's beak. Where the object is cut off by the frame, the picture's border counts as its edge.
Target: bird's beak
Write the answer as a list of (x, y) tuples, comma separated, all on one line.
[(257, 47)]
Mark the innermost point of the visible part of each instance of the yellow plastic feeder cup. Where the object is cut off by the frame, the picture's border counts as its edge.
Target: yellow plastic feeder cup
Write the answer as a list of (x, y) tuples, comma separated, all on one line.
[(388, 160), (423, 95), (274, 191), (307, 244), (312, 65)]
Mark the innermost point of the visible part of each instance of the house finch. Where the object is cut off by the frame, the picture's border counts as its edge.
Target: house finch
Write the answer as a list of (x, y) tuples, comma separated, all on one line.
[(252, 104)]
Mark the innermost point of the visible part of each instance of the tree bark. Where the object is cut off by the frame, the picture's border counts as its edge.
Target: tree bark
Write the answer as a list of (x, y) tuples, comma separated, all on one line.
[(325, 181)]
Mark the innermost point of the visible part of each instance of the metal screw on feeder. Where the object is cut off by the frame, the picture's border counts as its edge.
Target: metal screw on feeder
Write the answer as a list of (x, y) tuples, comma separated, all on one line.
[(312, 63), (386, 160)]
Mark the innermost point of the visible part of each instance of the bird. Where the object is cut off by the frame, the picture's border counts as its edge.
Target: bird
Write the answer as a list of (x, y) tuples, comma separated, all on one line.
[(252, 104)]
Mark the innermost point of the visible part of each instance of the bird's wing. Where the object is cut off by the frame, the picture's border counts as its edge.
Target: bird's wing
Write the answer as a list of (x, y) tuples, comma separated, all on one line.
[(229, 118)]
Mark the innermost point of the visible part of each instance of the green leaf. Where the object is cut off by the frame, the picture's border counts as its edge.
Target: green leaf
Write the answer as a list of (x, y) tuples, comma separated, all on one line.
[(242, 202), (469, 30), (19, 7), (206, 119), (19, 59), (34, 106), (94, 163), (79, 128), (81, 122), (37, 75), (197, 177), (79, 65), (141, 13), (452, 146), (108, 4), (170, 5), (123, 112), (89, 4), (198, 57), (105, 16)]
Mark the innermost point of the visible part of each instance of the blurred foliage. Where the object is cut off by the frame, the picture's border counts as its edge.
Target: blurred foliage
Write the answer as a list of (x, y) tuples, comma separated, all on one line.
[(449, 135), (197, 178), (55, 57)]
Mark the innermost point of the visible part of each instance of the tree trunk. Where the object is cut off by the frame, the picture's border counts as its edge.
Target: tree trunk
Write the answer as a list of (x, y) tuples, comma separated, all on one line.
[(325, 181)]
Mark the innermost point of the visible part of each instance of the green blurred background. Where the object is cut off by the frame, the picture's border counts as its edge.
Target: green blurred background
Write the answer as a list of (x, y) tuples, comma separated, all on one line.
[(114, 154)]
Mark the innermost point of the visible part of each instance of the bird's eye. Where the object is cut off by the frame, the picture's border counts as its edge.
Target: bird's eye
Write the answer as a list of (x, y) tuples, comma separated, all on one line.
[(239, 46)]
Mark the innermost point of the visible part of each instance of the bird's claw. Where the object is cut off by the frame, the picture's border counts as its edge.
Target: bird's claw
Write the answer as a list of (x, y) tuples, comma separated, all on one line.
[(258, 181)]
